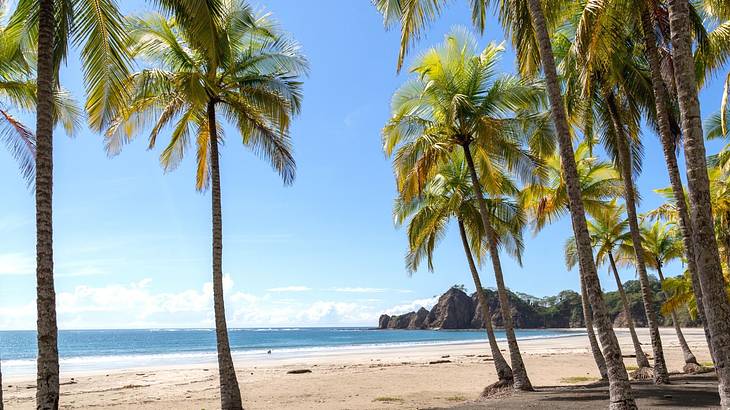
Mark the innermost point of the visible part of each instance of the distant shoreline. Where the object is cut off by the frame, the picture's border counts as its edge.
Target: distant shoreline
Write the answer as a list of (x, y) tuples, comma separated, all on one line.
[(96, 364)]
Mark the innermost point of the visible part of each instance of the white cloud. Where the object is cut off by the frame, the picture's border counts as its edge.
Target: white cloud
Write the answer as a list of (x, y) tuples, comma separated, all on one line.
[(412, 306), (290, 289), (369, 290), (16, 264)]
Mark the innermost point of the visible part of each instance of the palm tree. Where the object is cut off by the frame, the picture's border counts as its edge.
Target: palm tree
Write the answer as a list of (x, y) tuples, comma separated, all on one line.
[(97, 27), (662, 245), (547, 200), (449, 195), (609, 233), (457, 102), (709, 269), (250, 74)]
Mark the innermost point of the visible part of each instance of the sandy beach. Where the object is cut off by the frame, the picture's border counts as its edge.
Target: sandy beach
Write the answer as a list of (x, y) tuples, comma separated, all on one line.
[(391, 377)]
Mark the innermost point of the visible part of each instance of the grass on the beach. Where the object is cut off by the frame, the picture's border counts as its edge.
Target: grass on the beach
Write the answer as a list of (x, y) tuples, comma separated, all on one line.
[(631, 368), (708, 364), (455, 398), (578, 379), (389, 399)]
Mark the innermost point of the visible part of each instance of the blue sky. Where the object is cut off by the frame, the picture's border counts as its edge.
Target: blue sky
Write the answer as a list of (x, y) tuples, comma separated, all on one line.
[(132, 245)]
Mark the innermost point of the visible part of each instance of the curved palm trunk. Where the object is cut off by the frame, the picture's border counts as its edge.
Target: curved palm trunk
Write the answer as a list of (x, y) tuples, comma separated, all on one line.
[(661, 100), (661, 376), (230, 393), (588, 319), (689, 357), (641, 359), (521, 381), (504, 372), (709, 269), (620, 394), (47, 393), (1, 390)]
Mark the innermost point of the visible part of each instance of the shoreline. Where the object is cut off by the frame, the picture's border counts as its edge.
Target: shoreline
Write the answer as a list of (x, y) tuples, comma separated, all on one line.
[(398, 377), (22, 369)]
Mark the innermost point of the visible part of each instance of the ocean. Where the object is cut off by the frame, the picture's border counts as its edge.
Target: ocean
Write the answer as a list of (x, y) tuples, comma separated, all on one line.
[(102, 350)]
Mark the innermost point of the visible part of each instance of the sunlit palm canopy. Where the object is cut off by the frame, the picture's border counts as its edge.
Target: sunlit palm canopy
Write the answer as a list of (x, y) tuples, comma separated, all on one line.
[(457, 98), (97, 28), (547, 200), (662, 243), (414, 16), (18, 96), (254, 83), (448, 195), (609, 232)]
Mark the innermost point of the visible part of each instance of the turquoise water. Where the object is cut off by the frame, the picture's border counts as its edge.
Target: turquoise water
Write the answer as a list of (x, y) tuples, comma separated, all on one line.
[(91, 350)]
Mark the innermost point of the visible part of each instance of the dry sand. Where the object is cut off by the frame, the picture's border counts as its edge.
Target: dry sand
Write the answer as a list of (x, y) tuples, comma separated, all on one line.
[(364, 378)]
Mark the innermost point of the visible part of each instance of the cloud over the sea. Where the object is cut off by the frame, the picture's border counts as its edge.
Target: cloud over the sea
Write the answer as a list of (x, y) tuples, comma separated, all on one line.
[(138, 305)]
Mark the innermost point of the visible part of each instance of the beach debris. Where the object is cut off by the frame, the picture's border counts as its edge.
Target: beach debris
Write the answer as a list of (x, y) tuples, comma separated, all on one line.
[(445, 356), (501, 388), (299, 371), (692, 368), (439, 361), (643, 373)]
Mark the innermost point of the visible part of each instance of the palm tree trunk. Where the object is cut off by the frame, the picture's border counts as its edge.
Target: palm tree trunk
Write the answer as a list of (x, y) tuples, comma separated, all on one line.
[(521, 380), (726, 245), (661, 100), (661, 376), (620, 394), (1, 390), (641, 359), (230, 393), (588, 319), (689, 357), (47, 393), (504, 372), (709, 269)]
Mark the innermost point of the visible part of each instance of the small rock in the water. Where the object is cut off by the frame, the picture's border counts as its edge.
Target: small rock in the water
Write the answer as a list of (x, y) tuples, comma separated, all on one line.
[(299, 371), (439, 361)]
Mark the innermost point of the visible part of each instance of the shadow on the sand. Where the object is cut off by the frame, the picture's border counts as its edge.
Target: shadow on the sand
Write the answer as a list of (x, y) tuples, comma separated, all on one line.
[(685, 391)]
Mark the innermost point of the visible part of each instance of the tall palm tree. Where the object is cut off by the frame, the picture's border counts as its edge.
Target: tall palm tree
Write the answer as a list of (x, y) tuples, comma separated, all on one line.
[(449, 195), (457, 102), (251, 75), (547, 200), (662, 245), (95, 26), (609, 233), (709, 269)]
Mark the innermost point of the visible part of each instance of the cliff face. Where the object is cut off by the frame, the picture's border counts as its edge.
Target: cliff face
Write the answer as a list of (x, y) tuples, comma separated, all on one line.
[(457, 310)]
